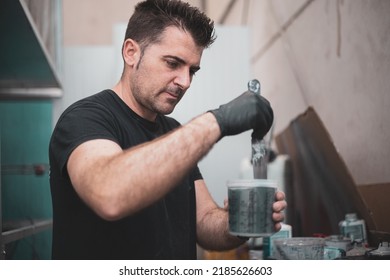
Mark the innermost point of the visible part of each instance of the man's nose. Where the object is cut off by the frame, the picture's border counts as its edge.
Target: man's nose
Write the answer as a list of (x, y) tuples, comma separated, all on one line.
[(183, 79)]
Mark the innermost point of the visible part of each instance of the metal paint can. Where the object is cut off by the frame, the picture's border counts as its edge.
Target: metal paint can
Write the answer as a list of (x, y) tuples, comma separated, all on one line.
[(250, 207)]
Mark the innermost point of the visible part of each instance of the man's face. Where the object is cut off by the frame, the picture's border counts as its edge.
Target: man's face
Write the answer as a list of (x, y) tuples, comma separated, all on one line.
[(164, 73)]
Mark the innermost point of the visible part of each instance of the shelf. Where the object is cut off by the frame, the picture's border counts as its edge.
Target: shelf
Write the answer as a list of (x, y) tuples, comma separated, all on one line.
[(27, 69), (21, 229)]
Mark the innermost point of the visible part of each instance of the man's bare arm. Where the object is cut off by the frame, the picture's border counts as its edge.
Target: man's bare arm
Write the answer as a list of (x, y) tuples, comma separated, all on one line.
[(117, 183), (212, 222)]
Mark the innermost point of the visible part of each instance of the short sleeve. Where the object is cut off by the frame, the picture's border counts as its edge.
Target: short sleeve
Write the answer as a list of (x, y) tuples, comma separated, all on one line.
[(79, 124)]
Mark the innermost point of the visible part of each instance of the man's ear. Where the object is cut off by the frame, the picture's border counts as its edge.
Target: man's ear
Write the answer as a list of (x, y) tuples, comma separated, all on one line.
[(131, 52)]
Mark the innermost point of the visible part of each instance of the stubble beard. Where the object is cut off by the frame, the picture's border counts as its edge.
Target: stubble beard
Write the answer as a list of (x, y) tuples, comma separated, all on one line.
[(151, 101)]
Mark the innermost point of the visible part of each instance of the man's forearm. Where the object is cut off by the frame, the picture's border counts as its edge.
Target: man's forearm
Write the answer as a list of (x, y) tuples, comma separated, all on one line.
[(213, 231), (143, 174)]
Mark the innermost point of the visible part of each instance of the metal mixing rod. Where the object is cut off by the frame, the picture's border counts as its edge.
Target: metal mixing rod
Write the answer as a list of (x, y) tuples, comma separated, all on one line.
[(259, 147), (254, 86)]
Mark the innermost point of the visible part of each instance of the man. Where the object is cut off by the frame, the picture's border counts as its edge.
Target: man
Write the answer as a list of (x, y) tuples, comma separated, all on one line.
[(124, 177)]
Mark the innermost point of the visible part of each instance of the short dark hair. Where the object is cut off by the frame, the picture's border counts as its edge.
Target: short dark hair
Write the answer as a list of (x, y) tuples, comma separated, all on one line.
[(152, 17)]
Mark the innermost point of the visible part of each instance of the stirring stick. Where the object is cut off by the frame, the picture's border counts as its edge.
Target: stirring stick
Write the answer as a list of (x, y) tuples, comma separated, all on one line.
[(259, 146)]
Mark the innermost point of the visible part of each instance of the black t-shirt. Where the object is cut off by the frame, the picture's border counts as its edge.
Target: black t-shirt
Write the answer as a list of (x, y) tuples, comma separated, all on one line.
[(164, 230)]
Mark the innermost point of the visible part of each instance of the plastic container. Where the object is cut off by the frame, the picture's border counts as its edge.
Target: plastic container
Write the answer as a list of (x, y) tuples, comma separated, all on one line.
[(339, 241), (269, 250), (336, 247), (353, 228), (250, 207), (300, 248)]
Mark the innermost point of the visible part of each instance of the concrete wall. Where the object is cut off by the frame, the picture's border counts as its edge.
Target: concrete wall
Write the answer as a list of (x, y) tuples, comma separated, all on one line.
[(90, 22), (333, 55)]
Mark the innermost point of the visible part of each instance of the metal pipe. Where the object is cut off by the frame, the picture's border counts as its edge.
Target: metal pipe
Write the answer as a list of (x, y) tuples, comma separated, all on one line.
[(22, 231)]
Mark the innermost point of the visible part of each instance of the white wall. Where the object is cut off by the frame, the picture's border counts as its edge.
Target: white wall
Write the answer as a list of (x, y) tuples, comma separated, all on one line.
[(86, 70)]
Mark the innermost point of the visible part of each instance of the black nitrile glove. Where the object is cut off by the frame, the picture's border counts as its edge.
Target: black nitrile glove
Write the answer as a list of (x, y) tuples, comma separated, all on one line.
[(247, 111)]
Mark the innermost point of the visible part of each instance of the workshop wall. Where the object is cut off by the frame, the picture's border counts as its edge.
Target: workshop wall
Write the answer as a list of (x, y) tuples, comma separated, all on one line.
[(329, 55), (25, 191), (334, 56)]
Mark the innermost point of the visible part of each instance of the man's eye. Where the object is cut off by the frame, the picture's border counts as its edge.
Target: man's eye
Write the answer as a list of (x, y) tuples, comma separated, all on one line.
[(172, 64), (192, 73)]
